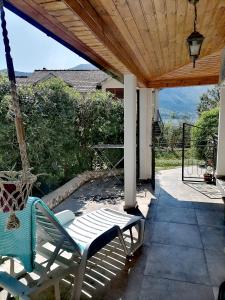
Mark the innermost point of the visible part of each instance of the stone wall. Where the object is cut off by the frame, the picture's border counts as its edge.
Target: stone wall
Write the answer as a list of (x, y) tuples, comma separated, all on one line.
[(63, 192)]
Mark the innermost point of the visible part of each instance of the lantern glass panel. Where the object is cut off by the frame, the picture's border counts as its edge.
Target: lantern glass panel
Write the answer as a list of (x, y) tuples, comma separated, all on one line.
[(195, 48)]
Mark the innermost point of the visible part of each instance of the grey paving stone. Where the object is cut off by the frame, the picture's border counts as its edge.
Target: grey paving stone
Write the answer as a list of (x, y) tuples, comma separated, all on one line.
[(207, 217), (151, 212), (216, 266), (213, 237), (175, 214), (161, 289), (167, 200), (176, 234), (128, 284), (177, 262), (208, 206), (149, 227)]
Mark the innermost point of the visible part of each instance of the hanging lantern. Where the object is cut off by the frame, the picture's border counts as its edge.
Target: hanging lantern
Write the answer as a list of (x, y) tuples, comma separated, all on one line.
[(195, 39)]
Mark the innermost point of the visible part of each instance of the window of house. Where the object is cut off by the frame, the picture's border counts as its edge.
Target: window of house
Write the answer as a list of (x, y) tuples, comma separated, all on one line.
[(118, 92)]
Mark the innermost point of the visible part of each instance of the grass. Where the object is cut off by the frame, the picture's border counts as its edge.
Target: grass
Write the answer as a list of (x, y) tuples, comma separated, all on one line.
[(165, 163), (168, 160)]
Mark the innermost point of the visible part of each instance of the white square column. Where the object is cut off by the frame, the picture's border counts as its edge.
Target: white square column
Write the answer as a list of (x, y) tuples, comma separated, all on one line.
[(220, 166), (146, 115), (130, 117)]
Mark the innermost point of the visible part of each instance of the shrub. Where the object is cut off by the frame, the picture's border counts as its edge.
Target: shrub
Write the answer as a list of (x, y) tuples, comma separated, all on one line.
[(61, 127), (205, 132)]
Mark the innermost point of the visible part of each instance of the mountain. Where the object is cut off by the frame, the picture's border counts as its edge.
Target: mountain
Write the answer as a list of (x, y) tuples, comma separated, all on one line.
[(181, 101), (84, 67), (18, 73)]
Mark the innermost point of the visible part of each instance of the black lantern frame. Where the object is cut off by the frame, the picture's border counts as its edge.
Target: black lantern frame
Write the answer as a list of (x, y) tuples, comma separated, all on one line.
[(195, 39)]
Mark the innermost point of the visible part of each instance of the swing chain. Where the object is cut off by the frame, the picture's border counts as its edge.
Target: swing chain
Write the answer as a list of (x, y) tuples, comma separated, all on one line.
[(9, 61)]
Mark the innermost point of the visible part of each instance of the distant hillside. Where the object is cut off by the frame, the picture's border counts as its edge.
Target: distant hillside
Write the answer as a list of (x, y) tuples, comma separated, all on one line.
[(182, 101), (85, 67), (18, 73)]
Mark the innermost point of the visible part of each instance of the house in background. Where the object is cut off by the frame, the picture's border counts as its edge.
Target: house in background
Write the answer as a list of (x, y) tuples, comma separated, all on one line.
[(114, 86), (83, 81), (90, 80)]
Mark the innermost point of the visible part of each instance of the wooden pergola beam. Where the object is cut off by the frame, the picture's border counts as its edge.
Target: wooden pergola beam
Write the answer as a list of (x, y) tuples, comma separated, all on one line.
[(107, 35), (176, 82), (35, 15)]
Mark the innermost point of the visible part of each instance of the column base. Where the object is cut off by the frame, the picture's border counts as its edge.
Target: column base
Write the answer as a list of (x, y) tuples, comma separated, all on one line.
[(144, 181), (131, 209)]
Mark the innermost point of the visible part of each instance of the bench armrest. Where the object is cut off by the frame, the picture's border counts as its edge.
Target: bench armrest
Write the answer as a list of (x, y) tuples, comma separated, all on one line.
[(65, 216)]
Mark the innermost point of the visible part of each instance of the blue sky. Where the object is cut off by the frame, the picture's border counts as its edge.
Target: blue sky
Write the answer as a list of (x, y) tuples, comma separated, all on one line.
[(31, 49)]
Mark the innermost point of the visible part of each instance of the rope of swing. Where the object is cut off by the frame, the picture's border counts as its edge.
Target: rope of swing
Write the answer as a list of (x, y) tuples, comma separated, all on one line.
[(11, 75)]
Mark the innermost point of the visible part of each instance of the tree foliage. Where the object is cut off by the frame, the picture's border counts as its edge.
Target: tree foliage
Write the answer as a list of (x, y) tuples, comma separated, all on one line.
[(61, 127), (205, 132), (172, 134), (208, 100)]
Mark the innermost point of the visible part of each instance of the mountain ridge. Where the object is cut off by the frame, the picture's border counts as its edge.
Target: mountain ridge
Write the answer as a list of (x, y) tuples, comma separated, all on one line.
[(183, 101), (17, 73), (84, 67)]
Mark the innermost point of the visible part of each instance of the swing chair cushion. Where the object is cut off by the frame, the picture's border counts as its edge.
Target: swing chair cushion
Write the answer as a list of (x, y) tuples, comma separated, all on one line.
[(20, 243)]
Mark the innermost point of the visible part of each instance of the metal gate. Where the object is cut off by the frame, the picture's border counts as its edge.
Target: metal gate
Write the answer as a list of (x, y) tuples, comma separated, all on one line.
[(166, 149), (198, 153)]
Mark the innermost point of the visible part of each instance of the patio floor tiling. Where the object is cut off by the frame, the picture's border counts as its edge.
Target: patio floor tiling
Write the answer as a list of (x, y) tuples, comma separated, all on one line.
[(183, 254), (185, 243)]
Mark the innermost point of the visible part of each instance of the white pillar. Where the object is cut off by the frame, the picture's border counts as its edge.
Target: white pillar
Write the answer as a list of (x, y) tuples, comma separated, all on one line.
[(146, 114), (220, 166), (130, 115)]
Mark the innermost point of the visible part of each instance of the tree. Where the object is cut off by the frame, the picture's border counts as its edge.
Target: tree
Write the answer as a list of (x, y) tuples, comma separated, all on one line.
[(172, 132), (209, 100), (205, 132), (61, 128)]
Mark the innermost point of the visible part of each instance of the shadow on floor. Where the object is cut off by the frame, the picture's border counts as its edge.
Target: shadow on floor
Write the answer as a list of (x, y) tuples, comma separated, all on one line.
[(209, 190)]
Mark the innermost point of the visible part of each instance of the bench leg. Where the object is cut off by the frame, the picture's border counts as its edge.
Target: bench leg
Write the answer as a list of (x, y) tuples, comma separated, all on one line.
[(78, 281), (57, 291), (141, 230)]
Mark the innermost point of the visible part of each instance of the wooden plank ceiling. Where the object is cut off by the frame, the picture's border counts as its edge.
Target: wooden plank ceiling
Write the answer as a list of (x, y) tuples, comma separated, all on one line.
[(144, 37)]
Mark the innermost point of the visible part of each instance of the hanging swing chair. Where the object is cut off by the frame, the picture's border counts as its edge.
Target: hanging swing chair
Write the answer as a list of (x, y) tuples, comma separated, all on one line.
[(15, 187)]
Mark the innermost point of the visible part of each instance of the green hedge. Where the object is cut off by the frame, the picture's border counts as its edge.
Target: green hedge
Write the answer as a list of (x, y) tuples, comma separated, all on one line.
[(61, 127), (205, 132)]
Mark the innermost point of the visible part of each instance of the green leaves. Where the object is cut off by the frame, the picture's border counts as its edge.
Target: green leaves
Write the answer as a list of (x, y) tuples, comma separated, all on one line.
[(209, 100), (61, 127), (206, 130)]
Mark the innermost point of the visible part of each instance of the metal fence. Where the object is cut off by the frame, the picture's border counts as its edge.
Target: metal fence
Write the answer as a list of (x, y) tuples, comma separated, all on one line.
[(198, 154)]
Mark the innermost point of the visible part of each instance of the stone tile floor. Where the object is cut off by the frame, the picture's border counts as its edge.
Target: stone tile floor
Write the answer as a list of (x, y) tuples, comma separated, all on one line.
[(184, 243), (183, 256)]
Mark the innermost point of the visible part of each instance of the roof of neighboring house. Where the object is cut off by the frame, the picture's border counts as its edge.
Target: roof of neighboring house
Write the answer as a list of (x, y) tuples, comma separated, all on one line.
[(81, 80)]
